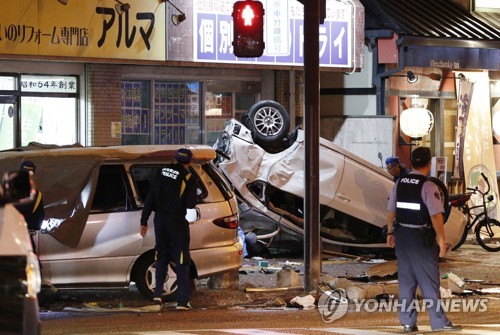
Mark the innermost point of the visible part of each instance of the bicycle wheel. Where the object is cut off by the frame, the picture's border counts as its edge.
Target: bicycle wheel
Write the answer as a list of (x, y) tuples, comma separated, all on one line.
[(488, 234)]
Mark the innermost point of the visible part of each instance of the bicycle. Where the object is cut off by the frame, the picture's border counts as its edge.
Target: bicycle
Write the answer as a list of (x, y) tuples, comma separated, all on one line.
[(487, 231)]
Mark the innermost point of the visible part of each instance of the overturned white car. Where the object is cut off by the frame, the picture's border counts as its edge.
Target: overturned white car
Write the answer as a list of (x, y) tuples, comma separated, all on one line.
[(269, 177)]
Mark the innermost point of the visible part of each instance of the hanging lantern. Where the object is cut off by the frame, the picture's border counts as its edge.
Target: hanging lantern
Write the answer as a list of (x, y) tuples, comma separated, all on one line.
[(416, 121)]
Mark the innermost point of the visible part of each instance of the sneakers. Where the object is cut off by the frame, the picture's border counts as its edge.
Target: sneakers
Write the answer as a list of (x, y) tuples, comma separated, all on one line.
[(449, 327), (410, 329), (157, 300), (183, 307)]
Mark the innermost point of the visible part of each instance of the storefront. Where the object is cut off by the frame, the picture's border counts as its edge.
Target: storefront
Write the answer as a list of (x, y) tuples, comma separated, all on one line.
[(141, 79), (446, 66), (40, 105)]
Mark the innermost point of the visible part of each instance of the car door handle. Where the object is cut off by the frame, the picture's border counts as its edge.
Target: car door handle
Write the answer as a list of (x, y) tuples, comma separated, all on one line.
[(344, 198), (198, 213)]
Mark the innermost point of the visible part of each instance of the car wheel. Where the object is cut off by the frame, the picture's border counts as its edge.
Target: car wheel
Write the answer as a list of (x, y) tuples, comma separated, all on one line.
[(144, 276), (443, 193), (268, 121)]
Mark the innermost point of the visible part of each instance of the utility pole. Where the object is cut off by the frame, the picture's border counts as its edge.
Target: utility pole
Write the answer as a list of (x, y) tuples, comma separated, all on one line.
[(312, 240)]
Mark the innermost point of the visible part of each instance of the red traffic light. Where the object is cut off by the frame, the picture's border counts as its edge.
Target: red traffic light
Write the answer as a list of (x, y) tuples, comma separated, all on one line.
[(248, 23)]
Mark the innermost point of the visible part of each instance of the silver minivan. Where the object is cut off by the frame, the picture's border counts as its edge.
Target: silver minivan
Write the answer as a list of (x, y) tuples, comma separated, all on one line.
[(93, 201)]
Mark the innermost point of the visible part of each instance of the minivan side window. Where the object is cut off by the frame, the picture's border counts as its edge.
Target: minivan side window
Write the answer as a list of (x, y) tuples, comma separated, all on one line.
[(111, 193), (141, 175)]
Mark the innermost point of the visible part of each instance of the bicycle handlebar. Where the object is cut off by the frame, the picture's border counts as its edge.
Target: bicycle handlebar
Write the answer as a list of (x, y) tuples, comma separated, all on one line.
[(487, 183), (485, 178)]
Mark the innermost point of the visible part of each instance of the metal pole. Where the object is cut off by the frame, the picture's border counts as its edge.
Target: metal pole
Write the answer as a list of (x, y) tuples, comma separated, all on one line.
[(312, 241)]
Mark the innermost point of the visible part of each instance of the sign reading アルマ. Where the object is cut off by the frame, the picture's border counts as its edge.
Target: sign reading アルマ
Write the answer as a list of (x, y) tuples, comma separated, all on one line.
[(283, 33), (83, 29)]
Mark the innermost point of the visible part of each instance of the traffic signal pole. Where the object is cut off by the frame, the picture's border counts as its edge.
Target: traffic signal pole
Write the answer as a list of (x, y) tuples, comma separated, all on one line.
[(312, 240)]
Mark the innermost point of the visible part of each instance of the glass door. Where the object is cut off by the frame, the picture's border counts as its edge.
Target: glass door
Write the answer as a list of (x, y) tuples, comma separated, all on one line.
[(8, 116)]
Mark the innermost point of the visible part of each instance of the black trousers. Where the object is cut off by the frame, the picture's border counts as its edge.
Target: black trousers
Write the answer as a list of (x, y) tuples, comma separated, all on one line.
[(172, 245)]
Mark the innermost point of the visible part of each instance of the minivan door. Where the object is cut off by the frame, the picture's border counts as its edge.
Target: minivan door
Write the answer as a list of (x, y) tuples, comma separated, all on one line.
[(110, 241)]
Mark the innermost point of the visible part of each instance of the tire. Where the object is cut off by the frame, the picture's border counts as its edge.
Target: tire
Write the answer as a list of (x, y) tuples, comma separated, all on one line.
[(444, 197), (490, 243), (269, 122), (144, 277)]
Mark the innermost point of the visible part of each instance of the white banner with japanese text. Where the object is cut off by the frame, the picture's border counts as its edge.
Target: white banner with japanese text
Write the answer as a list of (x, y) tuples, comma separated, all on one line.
[(478, 155)]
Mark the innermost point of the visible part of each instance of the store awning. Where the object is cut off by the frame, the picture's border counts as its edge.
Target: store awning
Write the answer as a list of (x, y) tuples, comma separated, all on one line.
[(437, 32), (437, 19)]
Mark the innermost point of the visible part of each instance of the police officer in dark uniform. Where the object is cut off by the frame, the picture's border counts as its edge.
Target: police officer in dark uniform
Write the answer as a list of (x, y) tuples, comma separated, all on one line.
[(395, 168), (415, 229), (172, 191)]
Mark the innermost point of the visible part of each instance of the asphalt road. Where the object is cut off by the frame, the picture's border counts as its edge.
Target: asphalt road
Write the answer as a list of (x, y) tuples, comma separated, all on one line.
[(236, 311)]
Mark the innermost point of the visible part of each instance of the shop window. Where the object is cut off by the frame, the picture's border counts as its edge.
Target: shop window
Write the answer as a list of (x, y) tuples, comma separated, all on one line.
[(7, 122), (218, 109), (48, 120), (176, 113), (38, 108), (172, 118), (8, 83), (135, 112), (243, 104)]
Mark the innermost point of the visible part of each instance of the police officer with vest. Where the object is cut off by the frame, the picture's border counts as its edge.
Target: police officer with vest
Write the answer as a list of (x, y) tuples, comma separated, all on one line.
[(172, 191), (415, 229)]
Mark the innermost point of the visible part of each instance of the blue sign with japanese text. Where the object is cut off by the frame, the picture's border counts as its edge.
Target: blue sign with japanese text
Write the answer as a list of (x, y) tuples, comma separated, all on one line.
[(214, 37)]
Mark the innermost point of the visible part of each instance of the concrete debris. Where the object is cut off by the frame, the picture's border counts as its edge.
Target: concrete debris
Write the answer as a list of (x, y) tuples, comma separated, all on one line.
[(305, 302), (453, 287), (383, 270), (226, 280), (278, 302), (287, 278), (455, 279), (356, 293), (445, 293)]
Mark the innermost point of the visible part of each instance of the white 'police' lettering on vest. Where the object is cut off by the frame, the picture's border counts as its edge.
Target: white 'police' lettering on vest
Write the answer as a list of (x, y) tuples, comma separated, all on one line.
[(170, 173), (410, 181)]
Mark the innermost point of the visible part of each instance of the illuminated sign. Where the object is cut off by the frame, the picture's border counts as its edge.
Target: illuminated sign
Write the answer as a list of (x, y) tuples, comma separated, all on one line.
[(283, 34)]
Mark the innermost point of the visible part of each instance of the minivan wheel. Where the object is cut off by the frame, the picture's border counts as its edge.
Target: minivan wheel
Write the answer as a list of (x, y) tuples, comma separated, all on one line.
[(268, 121), (144, 276)]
